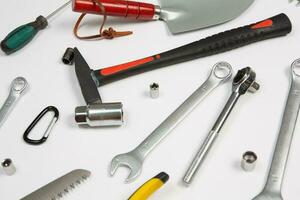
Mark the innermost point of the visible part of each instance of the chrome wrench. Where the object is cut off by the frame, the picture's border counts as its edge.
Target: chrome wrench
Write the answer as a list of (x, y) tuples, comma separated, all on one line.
[(17, 88), (272, 189), (134, 159), (244, 81)]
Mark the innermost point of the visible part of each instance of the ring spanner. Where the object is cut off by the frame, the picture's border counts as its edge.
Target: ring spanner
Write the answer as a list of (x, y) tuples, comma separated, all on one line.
[(244, 81), (272, 189), (220, 73), (18, 86)]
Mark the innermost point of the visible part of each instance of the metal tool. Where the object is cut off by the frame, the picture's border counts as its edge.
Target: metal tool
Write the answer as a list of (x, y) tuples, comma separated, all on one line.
[(95, 113), (48, 130), (8, 167), (148, 188), (22, 35), (154, 90), (17, 88), (134, 159), (61, 186), (272, 189), (244, 81), (249, 161), (180, 16), (68, 57)]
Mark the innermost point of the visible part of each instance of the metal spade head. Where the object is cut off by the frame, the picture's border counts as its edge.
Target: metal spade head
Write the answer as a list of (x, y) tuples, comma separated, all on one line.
[(187, 15)]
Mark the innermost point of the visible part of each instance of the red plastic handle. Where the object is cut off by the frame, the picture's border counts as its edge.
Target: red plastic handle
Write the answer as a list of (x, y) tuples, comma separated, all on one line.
[(131, 9)]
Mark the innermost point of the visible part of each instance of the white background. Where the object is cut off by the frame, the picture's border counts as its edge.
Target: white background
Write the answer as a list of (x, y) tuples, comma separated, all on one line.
[(253, 124)]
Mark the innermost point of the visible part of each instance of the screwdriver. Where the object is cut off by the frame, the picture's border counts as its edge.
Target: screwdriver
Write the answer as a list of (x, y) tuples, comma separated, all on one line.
[(22, 35)]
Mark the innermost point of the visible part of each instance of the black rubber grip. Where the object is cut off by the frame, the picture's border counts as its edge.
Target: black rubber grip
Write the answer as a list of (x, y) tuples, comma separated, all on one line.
[(276, 26)]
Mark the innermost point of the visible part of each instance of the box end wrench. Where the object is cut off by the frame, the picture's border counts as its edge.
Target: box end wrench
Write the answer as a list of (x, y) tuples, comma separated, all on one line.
[(17, 88), (272, 189), (134, 159), (244, 81)]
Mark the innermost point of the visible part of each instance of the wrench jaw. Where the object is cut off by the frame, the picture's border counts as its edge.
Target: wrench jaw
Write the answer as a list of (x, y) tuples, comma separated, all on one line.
[(130, 160)]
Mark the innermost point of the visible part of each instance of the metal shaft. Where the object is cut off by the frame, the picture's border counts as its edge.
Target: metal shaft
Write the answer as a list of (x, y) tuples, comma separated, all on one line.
[(203, 151), (58, 10)]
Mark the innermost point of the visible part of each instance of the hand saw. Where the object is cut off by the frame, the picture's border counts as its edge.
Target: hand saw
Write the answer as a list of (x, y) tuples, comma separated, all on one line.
[(63, 185)]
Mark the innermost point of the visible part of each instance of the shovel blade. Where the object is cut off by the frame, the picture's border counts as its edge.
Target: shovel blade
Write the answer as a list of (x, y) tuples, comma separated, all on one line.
[(188, 15)]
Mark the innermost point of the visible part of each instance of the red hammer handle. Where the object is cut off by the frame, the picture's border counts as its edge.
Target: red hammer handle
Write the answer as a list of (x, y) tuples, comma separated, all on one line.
[(121, 8)]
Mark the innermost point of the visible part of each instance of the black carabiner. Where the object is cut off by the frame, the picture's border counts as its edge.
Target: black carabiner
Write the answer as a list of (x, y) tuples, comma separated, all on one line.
[(48, 130)]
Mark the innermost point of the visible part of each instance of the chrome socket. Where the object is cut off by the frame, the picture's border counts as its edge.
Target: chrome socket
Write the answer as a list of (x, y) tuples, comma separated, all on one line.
[(249, 161), (154, 90), (104, 114), (8, 167)]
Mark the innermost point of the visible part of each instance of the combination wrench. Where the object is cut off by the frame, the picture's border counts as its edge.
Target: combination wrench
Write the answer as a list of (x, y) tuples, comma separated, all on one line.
[(134, 159), (272, 189), (244, 81), (17, 88)]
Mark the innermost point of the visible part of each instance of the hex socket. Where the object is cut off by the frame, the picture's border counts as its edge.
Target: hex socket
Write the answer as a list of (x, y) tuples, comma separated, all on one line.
[(68, 57), (154, 90), (8, 167), (249, 161), (104, 114)]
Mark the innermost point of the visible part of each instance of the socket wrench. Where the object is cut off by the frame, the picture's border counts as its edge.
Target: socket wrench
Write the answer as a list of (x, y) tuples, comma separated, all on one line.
[(220, 73), (244, 81), (272, 189), (17, 88)]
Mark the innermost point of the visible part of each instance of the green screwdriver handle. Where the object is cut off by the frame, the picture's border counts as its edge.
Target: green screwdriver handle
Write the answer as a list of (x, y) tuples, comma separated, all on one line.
[(22, 35)]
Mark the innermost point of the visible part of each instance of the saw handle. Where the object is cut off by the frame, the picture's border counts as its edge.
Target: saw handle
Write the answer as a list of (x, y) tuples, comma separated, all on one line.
[(276, 26), (121, 8)]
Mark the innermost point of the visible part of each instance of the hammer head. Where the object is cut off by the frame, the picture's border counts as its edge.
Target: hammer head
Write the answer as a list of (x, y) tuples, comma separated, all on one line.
[(103, 114), (95, 113)]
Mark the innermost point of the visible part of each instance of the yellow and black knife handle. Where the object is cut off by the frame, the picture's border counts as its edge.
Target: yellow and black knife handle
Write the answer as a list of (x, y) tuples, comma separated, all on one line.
[(147, 189)]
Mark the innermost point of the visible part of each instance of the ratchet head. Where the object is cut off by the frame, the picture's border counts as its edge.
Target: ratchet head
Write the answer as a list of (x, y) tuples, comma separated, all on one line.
[(245, 81), (130, 160)]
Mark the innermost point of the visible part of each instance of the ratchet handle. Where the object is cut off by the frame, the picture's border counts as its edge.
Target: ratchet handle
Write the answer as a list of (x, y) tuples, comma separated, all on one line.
[(276, 26), (121, 8)]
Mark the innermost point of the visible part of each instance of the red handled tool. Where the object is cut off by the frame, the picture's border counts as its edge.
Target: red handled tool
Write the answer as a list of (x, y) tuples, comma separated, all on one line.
[(276, 26), (179, 15)]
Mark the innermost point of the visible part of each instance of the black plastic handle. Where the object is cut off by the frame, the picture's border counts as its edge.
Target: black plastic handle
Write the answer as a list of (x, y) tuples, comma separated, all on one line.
[(276, 26)]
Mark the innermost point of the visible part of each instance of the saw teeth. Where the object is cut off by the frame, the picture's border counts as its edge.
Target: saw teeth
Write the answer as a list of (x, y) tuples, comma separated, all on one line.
[(72, 186), (60, 195)]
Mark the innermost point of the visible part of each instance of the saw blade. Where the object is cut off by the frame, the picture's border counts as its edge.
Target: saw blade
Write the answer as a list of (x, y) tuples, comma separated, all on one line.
[(61, 186)]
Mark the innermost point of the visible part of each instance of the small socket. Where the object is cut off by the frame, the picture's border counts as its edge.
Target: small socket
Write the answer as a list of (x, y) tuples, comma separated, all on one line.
[(249, 161), (154, 90), (68, 57), (8, 167)]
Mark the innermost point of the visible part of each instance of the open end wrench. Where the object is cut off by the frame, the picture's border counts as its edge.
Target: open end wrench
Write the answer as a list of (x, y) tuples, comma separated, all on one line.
[(244, 81), (134, 159), (272, 189), (17, 88)]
